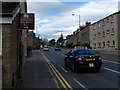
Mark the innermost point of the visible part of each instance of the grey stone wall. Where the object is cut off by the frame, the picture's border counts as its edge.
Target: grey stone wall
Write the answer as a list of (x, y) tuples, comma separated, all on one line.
[(10, 53)]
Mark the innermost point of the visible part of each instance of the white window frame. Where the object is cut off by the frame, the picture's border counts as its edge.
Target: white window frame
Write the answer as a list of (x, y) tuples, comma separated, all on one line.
[(113, 31), (108, 32), (112, 19)]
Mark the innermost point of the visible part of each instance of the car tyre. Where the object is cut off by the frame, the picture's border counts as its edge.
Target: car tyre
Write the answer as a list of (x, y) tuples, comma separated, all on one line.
[(65, 64)]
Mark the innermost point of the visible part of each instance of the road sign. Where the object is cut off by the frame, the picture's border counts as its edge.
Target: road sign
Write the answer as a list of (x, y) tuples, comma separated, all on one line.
[(27, 21)]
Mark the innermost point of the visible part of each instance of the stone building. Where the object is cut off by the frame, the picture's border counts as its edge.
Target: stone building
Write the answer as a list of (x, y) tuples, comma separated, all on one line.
[(12, 44), (85, 34), (81, 36), (104, 33), (37, 43), (30, 39)]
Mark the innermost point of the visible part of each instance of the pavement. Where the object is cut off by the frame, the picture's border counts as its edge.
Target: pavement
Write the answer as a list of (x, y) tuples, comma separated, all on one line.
[(37, 73), (0, 72)]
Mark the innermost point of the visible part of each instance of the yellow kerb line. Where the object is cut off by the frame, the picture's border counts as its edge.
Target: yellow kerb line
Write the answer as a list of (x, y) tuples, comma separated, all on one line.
[(51, 66), (62, 77)]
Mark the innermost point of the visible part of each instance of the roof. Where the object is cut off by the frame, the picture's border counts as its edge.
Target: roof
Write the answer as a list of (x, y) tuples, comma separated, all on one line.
[(9, 8), (106, 17)]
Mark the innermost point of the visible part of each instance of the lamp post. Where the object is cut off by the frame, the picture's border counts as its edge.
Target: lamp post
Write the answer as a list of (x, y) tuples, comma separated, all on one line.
[(79, 20), (79, 27)]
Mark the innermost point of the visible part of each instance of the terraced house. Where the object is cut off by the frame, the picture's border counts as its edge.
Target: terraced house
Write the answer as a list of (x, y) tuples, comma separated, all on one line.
[(104, 33)]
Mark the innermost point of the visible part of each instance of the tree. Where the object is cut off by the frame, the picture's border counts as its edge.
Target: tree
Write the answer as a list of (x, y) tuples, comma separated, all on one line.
[(52, 42), (60, 40)]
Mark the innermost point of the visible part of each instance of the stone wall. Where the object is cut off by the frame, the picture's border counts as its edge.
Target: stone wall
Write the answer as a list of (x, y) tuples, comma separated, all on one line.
[(10, 53)]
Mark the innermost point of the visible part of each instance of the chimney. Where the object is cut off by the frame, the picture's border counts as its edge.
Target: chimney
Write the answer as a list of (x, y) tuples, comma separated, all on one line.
[(88, 23)]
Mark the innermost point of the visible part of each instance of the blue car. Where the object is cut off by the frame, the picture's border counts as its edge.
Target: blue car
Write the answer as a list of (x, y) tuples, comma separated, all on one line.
[(57, 48)]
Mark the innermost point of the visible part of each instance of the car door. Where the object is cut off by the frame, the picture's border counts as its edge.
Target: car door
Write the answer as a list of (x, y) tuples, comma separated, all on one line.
[(70, 58)]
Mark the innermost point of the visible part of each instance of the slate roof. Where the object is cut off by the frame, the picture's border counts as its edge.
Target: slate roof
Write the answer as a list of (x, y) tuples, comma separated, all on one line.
[(9, 8)]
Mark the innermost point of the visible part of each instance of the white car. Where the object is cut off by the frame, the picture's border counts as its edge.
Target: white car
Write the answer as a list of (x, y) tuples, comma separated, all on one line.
[(45, 48)]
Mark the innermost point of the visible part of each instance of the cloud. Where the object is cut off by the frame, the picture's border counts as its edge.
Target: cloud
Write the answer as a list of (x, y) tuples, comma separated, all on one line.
[(63, 21)]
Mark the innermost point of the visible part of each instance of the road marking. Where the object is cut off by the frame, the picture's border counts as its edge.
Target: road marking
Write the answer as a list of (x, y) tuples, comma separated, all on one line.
[(56, 82), (111, 61), (62, 68), (61, 54), (80, 84), (63, 82), (112, 70), (110, 57)]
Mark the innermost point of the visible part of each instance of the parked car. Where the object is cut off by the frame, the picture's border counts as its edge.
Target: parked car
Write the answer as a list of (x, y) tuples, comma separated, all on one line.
[(45, 48), (57, 48), (80, 59)]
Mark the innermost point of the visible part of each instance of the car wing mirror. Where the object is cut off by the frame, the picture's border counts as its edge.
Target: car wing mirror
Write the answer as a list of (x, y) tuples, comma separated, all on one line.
[(66, 54)]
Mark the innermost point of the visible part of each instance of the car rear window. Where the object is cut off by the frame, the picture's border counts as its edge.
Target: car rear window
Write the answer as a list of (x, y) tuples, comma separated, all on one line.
[(85, 52)]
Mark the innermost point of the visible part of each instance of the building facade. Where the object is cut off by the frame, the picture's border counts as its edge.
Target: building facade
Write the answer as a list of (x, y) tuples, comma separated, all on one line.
[(80, 37), (13, 44), (104, 33)]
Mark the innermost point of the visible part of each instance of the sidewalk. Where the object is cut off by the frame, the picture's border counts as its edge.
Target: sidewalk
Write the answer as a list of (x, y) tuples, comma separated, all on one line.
[(0, 72), (37, 73)]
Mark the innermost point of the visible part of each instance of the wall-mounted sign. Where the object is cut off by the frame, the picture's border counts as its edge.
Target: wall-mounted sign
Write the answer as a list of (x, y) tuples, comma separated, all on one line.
[(27, 21)]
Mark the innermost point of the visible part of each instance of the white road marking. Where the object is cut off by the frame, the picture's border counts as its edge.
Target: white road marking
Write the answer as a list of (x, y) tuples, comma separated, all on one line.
[(112, 70), (110, 57), (62, 54), (80, 84), (111, 61), (62, 68)]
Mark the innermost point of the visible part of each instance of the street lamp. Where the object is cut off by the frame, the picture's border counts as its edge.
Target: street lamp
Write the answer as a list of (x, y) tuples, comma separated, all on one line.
[(79, 27), (79, 20)]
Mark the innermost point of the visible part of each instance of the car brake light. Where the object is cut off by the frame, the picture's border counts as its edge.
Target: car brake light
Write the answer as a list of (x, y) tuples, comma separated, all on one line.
[(100, 58), (79, 59)]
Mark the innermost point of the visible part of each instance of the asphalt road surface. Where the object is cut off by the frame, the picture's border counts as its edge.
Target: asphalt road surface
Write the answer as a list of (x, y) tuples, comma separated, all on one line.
[(108, 77)]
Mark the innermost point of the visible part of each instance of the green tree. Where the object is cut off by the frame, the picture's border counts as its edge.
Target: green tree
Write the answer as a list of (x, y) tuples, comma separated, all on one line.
[(52, 42), (60, 40)]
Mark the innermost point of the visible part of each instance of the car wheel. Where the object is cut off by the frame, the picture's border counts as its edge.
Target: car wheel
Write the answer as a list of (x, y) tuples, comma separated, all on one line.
[(65, 64), (74, 68)]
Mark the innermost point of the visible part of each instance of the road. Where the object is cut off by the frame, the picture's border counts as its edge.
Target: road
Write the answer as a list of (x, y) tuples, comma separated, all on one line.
[(106, 78)]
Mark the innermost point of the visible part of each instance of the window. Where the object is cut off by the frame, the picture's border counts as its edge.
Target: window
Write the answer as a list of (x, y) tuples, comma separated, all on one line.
[(108, 43), (113, 31), (107, 20), (94, 27), (94, 45), (103, 44), (94, 36), (103, 23), (112, 19), (99, 45), (99, 35), (108, 31), (113, 43), (98, 25), (103, 33)]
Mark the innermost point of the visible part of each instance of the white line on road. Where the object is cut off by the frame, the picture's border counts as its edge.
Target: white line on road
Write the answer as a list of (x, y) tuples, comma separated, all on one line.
[(112, 70), (62, 68), (62, 54), (80, 84), (53, 61), (111, 61)]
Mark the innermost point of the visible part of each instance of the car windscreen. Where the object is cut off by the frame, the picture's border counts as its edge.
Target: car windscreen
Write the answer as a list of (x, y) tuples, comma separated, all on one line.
[(85, 52)]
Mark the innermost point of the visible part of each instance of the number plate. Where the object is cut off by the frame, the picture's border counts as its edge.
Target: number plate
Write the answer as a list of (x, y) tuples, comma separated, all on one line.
[(91, 64), (90, 59)]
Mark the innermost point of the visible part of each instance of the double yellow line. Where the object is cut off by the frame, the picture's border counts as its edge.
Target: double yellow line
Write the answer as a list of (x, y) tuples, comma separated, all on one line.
[(63, 82)]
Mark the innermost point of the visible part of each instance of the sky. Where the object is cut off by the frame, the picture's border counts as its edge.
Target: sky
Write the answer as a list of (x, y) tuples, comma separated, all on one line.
[(53, 17)]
